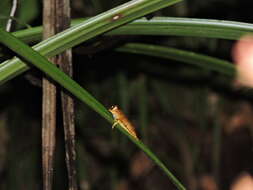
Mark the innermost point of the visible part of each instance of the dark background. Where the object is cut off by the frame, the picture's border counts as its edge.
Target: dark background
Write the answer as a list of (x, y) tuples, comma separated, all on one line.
[(199, 125)]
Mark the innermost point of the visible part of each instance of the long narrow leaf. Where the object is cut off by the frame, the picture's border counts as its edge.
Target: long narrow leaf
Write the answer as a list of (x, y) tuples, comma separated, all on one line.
[(86, 30), (163, 26), (188, 57), (157, 26), (37, 60), (207, 28)]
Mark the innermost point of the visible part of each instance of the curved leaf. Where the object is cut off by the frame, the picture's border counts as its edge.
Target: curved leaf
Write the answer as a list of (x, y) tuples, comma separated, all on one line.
[(188, 57), (84, 31), (163, 26), (157, 26)]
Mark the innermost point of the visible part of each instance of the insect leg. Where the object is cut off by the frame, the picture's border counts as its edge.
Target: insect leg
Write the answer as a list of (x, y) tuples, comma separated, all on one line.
[(116, 122)]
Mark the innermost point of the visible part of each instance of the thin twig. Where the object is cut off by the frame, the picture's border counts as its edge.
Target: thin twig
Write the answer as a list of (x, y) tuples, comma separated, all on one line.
[(12, 14)]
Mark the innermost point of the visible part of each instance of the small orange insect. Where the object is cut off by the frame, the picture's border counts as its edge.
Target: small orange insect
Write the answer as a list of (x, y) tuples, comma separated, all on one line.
[(120, 118)]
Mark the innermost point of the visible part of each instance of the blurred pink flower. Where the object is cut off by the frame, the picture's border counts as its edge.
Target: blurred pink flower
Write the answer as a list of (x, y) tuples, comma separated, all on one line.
[(243, 182), (243, 57)]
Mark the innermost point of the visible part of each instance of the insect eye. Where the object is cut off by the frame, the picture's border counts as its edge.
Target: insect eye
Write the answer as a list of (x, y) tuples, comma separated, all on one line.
[(114, 107)]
